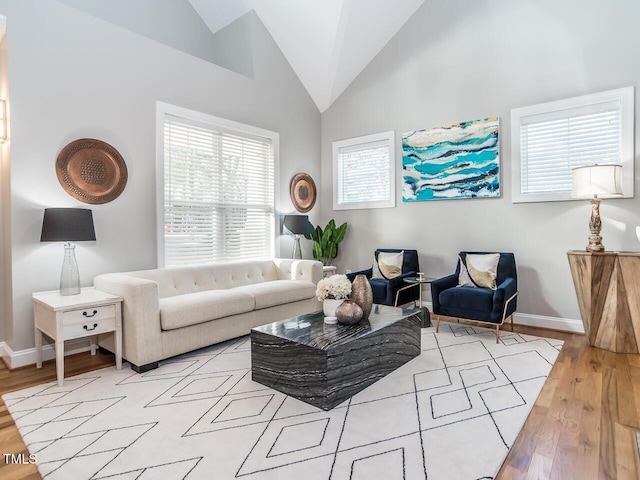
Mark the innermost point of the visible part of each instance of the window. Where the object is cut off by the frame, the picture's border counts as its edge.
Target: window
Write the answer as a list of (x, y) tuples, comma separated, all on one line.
[(550, 139), (364, 172), (215, 189)]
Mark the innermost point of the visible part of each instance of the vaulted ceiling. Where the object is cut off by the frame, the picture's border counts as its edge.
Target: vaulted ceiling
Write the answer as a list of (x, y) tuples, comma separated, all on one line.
[(326, 42)]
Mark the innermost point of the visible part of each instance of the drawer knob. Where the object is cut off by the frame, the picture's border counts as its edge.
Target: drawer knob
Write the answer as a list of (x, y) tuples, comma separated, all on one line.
[(89, 329), (90, 315)]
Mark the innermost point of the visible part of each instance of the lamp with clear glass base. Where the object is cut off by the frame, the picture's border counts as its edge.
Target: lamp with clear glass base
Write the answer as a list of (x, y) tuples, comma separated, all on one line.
[(68, 225), (296, 225)]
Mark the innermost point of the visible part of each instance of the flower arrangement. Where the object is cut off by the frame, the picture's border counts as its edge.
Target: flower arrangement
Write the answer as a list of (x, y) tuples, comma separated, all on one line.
[(335, 286)]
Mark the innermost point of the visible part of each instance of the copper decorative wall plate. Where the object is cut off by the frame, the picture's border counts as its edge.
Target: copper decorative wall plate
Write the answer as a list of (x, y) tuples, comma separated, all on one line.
[(303, 192), (91, 171)]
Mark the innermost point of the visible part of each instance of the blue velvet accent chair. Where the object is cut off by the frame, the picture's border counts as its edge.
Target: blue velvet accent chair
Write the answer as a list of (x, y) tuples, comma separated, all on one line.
[(385, 292), (478, 304)]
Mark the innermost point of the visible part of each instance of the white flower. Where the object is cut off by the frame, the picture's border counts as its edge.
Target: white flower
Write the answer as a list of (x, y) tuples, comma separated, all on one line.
[(335, 286)]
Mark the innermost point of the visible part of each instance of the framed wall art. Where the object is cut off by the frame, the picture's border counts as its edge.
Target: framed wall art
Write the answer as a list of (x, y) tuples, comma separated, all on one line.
[(455, 161)]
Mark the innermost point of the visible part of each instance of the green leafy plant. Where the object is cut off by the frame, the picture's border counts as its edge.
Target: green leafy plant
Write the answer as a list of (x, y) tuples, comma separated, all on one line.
[(325, 242)]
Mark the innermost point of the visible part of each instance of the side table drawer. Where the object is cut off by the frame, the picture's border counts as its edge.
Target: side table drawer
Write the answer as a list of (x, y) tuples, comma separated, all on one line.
[(89, 327), (88, 314)]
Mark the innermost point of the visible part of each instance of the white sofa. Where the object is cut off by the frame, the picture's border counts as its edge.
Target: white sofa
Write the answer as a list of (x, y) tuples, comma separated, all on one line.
[(170, 311)]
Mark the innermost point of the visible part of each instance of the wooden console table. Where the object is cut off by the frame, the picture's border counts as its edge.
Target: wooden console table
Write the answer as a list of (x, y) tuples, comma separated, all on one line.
[(608, 288)]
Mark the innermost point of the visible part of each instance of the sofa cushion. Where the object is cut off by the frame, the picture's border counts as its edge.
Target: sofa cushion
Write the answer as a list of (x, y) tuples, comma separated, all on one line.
[(174, 281), (191, 308), (277, 292)]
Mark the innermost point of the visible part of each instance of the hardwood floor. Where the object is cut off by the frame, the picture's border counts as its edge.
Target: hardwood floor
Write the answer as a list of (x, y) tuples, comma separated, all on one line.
[(582, 426)]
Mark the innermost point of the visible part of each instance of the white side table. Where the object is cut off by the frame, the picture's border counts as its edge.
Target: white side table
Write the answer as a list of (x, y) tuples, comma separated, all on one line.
[(328, 270), (76, 316)]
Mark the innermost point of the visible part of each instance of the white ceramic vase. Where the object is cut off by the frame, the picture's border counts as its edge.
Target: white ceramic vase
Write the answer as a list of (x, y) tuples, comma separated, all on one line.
[(329, 306)]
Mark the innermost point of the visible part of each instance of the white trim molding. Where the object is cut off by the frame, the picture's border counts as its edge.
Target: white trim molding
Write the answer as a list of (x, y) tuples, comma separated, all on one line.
[(530, 320), (22, 358), (561, 136), (552, 323), (374, 185), (4, 353)]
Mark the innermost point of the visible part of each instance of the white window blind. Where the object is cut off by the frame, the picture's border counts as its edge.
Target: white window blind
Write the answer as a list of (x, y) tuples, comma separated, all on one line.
[(218, 194), (364, 172), (552, 139)]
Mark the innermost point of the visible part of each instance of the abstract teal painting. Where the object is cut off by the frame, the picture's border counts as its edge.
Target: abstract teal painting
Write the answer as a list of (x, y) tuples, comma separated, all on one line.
[(455, 161)]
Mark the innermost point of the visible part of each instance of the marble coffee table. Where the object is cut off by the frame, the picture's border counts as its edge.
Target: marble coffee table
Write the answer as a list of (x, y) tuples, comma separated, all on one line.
[(322, 364)]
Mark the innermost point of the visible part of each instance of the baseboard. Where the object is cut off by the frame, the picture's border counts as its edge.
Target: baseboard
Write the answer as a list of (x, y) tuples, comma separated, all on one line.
[(22, 358), (4, 355), (552, 323), (541, 321)]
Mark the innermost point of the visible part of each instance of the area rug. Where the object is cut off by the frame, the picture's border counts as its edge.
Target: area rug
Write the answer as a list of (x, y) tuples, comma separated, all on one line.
[(450, 413)]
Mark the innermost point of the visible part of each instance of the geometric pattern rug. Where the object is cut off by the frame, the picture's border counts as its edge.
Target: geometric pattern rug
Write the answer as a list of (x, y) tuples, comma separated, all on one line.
[(451, 413)]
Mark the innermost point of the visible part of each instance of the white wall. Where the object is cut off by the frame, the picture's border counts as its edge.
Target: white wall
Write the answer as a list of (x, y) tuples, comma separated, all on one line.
[(5, 241), (458, 60), (73, 76)]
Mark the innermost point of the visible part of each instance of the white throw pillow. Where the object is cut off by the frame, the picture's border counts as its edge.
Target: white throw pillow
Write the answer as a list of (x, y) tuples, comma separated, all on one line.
[(375, 270), (390, 264), (483, 269), (463, 276)]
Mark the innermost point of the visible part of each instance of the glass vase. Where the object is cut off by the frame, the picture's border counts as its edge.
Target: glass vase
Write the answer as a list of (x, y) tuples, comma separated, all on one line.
[(70, 276)]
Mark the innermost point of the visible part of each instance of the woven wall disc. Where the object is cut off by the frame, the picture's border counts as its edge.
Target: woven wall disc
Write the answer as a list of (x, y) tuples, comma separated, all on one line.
[(303, 192), (91, 171)]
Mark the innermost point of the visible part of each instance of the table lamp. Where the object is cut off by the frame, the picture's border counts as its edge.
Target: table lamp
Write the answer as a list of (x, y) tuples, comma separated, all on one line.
[(596, 182), (296, 225), (68, 225)]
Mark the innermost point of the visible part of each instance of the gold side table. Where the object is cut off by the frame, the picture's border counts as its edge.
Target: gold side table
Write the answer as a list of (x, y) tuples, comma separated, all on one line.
[(417, 282)]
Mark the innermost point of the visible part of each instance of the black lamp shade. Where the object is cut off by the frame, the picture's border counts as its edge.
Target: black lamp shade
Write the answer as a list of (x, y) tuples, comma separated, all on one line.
[(67, 225), (296, 224)]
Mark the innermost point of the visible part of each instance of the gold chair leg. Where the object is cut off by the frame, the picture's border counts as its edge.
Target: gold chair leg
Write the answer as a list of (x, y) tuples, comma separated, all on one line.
[(497, 333), (512, 322), (438, 324)]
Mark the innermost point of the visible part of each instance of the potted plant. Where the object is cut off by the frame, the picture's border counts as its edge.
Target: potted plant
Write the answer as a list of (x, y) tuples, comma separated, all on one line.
[(325, 242)]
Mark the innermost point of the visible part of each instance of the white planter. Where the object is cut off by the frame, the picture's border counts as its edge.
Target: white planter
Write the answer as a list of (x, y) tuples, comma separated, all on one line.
[(329, 306)]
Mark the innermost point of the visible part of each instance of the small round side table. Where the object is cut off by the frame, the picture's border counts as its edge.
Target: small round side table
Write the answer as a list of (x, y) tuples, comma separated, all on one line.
[(418, 282)]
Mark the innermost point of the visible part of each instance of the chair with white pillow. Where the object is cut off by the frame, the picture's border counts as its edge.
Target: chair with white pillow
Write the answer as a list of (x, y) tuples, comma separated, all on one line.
[(386, 276), (483, 289)]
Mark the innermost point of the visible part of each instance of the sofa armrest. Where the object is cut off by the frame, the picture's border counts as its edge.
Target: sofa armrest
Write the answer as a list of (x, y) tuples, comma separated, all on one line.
[(291, 269), (440, 285), (141, 332)]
